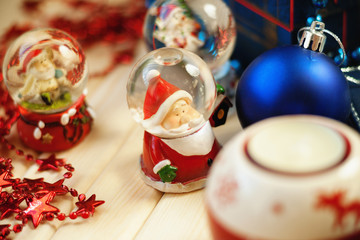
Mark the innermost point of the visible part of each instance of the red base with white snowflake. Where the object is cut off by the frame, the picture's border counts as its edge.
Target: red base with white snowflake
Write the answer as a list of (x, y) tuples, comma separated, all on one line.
[(290, 177), (55, 132)]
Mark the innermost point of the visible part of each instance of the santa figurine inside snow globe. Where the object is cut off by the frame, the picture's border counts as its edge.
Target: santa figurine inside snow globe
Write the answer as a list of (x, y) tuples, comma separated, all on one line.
[(172, 94), (204, 27), (45, 72)]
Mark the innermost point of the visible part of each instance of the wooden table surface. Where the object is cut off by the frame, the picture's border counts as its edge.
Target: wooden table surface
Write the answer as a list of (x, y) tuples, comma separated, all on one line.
[(107, 164)]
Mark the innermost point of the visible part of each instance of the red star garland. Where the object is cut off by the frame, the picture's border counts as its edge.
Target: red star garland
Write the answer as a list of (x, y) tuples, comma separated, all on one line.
[(87, 207), (103, 24), (37, 207), (50, 163), (4, 230), (30, 184), (4, 182), (56, 187), (4, 165), (10, 205), (38, 195)]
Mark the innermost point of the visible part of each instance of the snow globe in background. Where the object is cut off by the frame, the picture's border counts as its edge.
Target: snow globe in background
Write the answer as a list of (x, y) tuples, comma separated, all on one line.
[(45, 72), (172, 94), (204, 27)]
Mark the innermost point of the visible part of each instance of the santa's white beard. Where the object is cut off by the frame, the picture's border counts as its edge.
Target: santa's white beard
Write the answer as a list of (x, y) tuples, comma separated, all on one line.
[(42, 75), (198, 143), (195, 122)]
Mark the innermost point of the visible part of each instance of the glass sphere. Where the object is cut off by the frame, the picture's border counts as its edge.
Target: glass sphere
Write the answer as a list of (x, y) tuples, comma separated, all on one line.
[(171, 92), (205, 27), (45, 71)]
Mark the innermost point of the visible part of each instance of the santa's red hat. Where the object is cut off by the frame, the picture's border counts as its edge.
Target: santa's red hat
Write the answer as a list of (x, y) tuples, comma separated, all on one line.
[(165, 11), (29, 57), (160, 96)]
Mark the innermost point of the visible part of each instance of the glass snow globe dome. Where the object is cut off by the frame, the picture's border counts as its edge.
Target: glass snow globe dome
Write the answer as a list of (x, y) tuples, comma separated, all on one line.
[(171, 92), (205, 27), (45, 71)]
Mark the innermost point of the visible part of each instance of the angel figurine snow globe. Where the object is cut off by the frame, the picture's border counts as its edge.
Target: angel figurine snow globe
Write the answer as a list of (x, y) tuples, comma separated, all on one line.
[(172, 94), (45, 72), (204, 27)]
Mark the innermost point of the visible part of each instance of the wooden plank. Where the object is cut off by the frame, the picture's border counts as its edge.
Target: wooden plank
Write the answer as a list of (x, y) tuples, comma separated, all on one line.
[(177, 216)]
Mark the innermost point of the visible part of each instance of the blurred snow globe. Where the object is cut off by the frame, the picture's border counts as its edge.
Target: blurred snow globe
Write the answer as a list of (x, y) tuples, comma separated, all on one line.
[(45, 71), (205, 27), (171, 92)]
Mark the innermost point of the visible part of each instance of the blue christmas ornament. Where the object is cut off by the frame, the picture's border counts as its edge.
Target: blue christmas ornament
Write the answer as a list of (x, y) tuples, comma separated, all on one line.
[(293, 80)]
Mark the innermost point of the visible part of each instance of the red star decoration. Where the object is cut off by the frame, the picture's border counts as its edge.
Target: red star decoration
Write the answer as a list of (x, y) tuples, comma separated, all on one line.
[(88, 206), (11, 205), (56, 187), (50, 163), (4, 230), (37, 207), (31, 184), (4, 181), (5, 165)]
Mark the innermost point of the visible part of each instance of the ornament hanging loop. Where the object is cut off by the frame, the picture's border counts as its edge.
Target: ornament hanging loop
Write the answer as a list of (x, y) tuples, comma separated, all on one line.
[(314, 37)]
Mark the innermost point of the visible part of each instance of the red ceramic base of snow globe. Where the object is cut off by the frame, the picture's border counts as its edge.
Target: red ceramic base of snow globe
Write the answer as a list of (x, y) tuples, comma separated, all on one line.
[(55, 132)]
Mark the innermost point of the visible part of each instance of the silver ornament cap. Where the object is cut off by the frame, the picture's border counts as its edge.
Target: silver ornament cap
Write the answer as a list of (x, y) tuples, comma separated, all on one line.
[(314, 37)]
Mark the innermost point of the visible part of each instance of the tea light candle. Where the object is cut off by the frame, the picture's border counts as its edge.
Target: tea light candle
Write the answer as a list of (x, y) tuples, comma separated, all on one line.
[(297, 147)]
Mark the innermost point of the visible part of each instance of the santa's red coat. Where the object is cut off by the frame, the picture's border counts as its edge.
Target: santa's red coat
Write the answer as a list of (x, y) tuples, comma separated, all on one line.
[(190, 168)]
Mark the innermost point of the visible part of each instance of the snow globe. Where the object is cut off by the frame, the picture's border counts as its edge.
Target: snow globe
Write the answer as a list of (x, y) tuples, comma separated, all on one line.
[(45, 72), (172, 94), (287, 177), (205, 27)]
